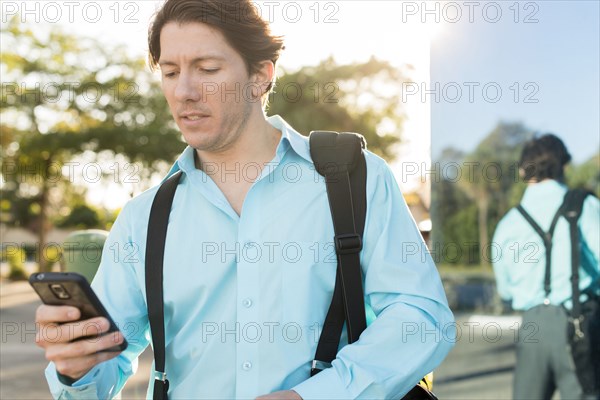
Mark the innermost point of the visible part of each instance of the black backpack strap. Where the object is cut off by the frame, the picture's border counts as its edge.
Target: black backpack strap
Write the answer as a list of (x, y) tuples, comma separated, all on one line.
[(547, 240), (573, 206), (155, 251), (340, 159)]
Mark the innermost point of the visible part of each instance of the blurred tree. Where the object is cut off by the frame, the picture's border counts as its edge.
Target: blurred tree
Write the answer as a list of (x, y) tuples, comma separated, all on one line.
[(468, 206), (62, 96), (16, 262), (81, 216), (69, 99), (489, 173), (585, 175), (453, 214), (361, 98)]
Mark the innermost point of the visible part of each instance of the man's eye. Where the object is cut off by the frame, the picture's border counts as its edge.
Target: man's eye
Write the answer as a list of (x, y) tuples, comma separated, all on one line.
[(170, 74), (210, 70)]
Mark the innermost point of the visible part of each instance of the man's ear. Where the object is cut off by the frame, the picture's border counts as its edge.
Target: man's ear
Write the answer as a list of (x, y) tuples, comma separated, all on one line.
[(263, 78)]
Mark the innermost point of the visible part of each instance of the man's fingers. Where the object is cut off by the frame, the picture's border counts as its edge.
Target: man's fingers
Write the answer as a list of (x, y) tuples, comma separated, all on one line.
[(83, 347), (66, 332), (46, 314), (75, 368)]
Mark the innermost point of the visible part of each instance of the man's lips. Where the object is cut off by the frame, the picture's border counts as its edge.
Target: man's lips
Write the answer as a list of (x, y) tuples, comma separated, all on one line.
[(192, 116), (193, 120)]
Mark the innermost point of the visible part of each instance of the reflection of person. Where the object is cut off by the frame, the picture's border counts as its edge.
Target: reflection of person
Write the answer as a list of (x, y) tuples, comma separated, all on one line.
[(543, 359), (248, 272)]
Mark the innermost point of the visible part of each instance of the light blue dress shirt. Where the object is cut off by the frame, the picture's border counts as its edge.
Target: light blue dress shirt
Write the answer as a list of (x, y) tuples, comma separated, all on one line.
[(246, 296), (519, 255)]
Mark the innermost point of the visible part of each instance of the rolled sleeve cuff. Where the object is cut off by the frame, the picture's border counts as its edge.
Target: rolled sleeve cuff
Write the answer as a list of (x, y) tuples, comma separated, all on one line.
[(327, 385), (83, 388)]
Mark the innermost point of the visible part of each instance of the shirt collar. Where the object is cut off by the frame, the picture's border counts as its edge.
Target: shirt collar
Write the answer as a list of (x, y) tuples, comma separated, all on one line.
[(289, 138), (543, 190)]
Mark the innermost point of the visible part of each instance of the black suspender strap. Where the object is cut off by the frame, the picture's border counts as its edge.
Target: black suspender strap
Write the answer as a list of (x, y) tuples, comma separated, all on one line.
[(547, 240), (155, 251), (339, 158)]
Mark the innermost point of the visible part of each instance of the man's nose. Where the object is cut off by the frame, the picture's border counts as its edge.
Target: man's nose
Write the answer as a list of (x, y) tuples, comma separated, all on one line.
[(187, 89)]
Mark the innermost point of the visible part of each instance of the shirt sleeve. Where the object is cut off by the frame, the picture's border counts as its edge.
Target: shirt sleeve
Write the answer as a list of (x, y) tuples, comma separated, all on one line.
[(499, 259), (589, 225), (116, 285), (414, 329)]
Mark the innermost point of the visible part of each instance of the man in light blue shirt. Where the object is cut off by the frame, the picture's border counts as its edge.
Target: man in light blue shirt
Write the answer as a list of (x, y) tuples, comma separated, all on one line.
[(250, 266), (519, 259)]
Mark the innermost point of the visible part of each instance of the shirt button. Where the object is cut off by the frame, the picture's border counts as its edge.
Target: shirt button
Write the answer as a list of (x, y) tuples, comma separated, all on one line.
[(247, 365), (247, 303)]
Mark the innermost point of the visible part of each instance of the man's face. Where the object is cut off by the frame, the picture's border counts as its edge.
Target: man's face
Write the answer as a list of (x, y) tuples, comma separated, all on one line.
[(206, 84)]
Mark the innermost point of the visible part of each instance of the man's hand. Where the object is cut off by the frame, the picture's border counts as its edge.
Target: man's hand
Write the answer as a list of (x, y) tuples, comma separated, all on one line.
[(282, 395), (59, 325)]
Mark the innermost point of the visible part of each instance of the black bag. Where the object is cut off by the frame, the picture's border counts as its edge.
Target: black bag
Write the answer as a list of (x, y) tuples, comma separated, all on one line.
[(583, 329), (584, 340), (340, 159)]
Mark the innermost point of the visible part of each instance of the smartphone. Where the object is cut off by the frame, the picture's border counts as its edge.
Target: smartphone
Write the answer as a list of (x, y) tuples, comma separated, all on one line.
[(72, 289)]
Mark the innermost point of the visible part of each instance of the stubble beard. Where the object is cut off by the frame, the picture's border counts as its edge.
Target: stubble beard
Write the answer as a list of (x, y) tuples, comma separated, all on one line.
[(229, 131)]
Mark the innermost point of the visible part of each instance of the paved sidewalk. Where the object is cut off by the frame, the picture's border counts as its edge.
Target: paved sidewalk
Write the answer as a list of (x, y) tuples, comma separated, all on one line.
[(22, 363)]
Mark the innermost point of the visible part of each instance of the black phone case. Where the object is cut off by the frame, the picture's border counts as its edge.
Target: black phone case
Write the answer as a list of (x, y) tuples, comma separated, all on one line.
[(81, 294)]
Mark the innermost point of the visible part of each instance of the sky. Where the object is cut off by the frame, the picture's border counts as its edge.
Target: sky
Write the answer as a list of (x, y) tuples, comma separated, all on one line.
[(554, 63)]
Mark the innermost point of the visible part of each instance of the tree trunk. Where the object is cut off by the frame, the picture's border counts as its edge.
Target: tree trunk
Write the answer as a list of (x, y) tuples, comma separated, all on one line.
[(44, 264), (482, 207)]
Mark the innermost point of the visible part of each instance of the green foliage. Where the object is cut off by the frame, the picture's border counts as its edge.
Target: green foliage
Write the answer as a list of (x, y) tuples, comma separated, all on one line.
[(489, 185), (15, 256), (585, 175), (65, 96), (345, 98), (52, 253), (107, 218), (72, 99), (495, 163), (69, 98), (461, 229), (81, 216)]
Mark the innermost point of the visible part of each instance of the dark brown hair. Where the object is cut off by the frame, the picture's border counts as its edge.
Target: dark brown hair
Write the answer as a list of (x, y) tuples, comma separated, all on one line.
[(544, 157), (238, 20)]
